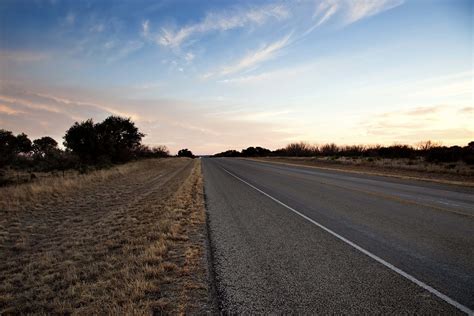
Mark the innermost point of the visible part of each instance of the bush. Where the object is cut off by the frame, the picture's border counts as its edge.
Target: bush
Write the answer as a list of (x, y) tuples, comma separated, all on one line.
[(143, 151), (115, 139), (430, 151), (300, 149), (255, 152), (229, 153), (185, 153)]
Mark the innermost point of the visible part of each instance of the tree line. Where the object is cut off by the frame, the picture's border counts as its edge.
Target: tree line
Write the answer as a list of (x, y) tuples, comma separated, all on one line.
[(430, 151), (114, 140)]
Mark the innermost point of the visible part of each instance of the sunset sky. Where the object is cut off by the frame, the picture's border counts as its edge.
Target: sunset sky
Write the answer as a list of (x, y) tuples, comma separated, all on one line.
[(216, 75)]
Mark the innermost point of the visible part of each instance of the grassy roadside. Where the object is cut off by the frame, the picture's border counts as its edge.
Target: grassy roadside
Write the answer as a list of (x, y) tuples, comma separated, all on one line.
[(124, 241), (50, 187), (391, 169)]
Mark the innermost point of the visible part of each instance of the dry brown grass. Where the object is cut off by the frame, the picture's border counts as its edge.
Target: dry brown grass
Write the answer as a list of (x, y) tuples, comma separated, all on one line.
[(453, 173), (124, 241), (52, 185)]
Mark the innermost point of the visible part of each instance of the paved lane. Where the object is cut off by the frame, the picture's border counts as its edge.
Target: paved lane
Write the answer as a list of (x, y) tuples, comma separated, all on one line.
[(267, 258)]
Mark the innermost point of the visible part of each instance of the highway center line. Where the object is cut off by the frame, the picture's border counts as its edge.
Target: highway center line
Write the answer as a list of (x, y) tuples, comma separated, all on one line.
[(432, 290)]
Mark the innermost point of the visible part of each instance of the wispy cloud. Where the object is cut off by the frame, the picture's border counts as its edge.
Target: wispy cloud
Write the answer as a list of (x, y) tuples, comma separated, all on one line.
[(347, 12), (125, 50), (468, 110), (325, 10), (282, 74), (254, 116), (189, 57), (165, 121), (351, 11), (22, 56), (70, 18), (17, 98), (217, 21), (97, 28), (5, 109), (254, 58), (358, 10), (425, 110), (440, 122), (146, 28)]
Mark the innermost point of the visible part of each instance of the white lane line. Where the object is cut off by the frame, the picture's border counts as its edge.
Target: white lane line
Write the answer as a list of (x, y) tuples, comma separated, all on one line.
[(432, 290)]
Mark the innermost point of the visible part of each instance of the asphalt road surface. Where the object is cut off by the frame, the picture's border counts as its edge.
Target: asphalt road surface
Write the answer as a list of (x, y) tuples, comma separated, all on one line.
[(306, 240)]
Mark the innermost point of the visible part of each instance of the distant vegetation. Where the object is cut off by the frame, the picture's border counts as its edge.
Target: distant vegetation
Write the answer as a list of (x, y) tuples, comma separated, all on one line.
[(428, 150), (86, 145), (185, 153)]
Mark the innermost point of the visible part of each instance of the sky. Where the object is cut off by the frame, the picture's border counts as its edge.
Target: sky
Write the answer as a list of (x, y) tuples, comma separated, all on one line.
[(218, 75)]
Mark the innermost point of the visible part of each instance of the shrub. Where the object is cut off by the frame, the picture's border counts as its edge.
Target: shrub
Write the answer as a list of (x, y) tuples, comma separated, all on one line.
[(143, 151), (229, 153), (115, 140), (185, 153), (255, 152)]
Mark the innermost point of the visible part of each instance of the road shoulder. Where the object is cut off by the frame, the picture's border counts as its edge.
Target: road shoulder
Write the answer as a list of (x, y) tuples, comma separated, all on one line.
[(353, 169)]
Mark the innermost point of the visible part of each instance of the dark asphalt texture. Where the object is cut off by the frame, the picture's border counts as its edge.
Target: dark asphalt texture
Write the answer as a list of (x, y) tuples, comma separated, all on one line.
[(267, 259)]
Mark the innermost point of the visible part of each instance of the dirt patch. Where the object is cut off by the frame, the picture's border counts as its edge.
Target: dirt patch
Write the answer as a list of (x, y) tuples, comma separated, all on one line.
[(129, 241), (404, 169)]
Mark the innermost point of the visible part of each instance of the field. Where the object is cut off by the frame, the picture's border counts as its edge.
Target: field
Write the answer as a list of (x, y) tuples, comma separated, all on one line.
[(128, 240), (454, 173)]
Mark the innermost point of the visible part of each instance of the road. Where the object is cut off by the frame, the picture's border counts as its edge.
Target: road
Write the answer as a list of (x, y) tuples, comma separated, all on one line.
[(305, 240)]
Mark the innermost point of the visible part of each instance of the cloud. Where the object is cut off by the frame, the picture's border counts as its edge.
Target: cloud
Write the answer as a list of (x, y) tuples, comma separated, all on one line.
[(254, 58), (146, 28), (5, 109), (271, 77), (221, 21), (325, 11), (351, 11), (423, 111), (469, 110), (189, 57), (252, 116), (446, 123), (361, 9), (97, 28), (126, 49), (348, 11), (149, 86), (22, 56), (70, 18), (17, 97), (174, 122), (444, 86)]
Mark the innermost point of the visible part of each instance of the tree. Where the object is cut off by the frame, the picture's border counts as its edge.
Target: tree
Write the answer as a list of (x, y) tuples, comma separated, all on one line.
[(44, 146), (228, 153), (7, 147), (185, 153), (118, 137), (255, 152), (81, 139), (23, 143), (11, 146)]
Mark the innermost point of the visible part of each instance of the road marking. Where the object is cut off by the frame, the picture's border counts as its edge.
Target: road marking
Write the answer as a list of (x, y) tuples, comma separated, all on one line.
[(460, 183), (430, 289), (386, 196)]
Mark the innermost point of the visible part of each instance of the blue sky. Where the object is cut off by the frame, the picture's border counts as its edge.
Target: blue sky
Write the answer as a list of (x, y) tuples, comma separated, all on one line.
[(214, 75)]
